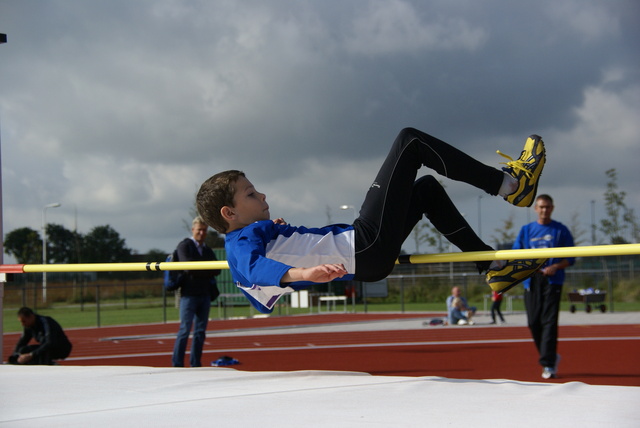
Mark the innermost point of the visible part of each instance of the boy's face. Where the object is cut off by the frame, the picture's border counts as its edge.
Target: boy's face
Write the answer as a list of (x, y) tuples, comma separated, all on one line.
[(249, 204)]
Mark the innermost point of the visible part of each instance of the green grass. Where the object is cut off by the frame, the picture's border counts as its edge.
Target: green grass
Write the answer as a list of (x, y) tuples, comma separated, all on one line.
[(74, 316), (144, 312)]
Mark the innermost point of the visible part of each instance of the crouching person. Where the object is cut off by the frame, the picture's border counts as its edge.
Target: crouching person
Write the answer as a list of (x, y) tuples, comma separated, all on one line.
[(51, 343)]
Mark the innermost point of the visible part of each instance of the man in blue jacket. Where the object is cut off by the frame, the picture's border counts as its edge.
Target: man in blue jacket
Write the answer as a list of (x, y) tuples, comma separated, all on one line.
[(544, 289)]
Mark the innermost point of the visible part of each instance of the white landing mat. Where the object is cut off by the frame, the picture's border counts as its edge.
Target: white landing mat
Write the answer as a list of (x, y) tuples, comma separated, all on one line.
[(120, 396)]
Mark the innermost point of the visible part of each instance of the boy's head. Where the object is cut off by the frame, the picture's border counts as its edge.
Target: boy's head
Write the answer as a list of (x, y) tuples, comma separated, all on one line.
[(218, 191), (228, 201)]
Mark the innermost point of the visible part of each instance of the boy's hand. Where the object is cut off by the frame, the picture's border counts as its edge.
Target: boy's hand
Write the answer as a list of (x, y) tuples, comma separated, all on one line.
[(279, 220), (320, 273)]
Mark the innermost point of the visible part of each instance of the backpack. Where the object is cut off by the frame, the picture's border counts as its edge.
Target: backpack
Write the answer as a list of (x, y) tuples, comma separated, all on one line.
[(172, 277)]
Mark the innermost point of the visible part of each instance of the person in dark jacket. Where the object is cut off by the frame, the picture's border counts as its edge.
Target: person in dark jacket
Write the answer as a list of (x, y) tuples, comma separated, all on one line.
[(51, 341), (198, 288)]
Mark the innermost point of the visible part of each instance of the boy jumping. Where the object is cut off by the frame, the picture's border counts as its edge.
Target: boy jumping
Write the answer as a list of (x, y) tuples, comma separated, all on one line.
[(269, 258)]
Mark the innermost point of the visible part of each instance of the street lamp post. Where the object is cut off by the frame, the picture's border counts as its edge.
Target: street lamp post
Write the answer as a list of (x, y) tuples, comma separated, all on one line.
[(350, 207), (353, 294), (44, 247), (593, 222)]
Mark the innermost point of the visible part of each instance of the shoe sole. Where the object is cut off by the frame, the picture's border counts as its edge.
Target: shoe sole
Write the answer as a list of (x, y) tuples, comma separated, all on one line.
[(518, 281), (535, 186), (504, 290)]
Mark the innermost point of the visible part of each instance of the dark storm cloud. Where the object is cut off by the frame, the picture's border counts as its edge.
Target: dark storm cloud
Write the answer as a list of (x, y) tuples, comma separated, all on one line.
[(122, 108)]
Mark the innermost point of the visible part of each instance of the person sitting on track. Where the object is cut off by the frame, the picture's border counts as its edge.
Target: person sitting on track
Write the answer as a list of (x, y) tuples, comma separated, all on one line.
[(458, 310)]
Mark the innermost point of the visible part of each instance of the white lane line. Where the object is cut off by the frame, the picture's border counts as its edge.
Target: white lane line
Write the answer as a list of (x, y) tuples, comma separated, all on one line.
[(350, 346)]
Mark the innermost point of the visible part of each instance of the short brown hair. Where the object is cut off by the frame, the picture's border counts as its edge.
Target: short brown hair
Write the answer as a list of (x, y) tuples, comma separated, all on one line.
[(545, 198), (216, 192)]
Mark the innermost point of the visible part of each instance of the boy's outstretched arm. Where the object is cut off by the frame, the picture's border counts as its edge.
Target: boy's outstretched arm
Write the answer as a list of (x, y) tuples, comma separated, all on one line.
[(320, 273)]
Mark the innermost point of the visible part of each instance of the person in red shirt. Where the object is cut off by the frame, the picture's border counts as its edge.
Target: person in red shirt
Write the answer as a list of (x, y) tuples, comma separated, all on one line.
[(496, 301)]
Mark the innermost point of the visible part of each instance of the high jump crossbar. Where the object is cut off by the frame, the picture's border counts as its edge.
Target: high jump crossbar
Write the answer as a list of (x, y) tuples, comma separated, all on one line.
[(471, 256)]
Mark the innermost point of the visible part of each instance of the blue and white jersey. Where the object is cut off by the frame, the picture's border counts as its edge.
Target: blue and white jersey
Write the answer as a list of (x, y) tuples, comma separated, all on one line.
[(536, 235), (260, 254)]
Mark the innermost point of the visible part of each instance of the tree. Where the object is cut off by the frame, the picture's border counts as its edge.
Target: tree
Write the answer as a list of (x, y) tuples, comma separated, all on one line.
[(631, 219), (505, 235), (25, 245), (327, 211), (104, 245), (63, 245), (155, 254), (425, 233), (576, 230), (213, 239), (617, 222)]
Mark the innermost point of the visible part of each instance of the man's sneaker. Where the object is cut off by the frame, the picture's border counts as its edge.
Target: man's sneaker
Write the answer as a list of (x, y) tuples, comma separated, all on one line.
[(526, 170), (549, 373), (512, 273)]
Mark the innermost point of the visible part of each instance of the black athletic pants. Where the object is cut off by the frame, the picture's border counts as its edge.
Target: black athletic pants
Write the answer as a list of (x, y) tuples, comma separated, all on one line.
[(42, 358), (495, 308), (396, 201), (542, 301)]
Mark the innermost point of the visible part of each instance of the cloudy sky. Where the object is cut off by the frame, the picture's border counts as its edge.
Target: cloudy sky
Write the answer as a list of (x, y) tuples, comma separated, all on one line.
[(120, 109)]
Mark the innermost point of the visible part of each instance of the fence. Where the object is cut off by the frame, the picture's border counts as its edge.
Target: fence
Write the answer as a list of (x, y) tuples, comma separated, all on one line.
[(615, 276), (145, 300)]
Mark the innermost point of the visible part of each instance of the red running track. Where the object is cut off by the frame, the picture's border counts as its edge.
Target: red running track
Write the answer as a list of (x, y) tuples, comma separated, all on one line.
[(593, 354)]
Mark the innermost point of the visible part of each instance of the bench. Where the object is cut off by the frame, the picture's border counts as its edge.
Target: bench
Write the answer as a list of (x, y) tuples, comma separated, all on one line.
[(331, 302), (230, 300), (508, 298)]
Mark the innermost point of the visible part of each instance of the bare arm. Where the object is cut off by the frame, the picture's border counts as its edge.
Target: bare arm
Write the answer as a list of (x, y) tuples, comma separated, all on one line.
[(320, 273)]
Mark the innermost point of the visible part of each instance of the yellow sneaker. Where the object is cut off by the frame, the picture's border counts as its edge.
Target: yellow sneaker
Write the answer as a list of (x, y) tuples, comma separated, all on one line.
[(526, 170), (512, 273)]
